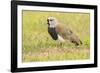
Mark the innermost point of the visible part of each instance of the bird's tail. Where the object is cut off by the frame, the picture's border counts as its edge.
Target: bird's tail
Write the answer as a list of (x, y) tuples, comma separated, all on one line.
[(81, 42)]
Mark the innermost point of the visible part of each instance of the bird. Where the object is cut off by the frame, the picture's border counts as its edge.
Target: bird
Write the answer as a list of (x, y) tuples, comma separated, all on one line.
[(60, 32)]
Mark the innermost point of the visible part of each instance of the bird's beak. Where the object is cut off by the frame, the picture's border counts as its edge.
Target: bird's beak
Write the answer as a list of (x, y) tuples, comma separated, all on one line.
[(48, 22)]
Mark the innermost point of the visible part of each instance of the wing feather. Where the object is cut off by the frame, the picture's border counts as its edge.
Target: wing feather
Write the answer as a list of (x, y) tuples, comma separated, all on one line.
[(63, 31), (67, 34)]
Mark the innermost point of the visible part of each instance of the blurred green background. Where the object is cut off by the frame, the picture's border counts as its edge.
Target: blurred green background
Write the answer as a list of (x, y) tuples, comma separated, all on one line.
[(38, 44)]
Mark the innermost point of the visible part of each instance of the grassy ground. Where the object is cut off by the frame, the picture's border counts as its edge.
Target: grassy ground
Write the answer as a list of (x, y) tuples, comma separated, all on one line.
[(39, 46)]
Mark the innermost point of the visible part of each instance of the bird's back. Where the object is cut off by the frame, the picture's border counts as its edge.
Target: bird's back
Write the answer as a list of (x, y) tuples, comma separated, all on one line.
[(63, 31), (67, 34)]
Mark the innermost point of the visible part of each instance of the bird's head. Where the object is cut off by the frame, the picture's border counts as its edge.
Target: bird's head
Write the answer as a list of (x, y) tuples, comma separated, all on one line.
[(51, 21)]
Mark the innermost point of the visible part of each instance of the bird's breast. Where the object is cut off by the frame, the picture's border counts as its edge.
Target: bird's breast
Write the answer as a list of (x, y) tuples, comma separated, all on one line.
[(53, 33)]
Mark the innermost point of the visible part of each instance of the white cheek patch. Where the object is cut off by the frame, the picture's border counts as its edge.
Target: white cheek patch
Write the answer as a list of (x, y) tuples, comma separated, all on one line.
[(60, 39)]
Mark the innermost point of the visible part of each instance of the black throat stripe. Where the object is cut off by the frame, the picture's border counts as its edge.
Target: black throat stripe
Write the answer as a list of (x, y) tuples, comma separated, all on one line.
[(53, 33)]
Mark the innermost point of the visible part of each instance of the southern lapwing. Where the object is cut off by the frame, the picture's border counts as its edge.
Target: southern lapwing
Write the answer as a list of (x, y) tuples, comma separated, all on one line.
[(60, 32)]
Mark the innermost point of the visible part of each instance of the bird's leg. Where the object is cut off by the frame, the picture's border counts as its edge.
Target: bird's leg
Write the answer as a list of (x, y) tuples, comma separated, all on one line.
[(59, 44), (60, 41)]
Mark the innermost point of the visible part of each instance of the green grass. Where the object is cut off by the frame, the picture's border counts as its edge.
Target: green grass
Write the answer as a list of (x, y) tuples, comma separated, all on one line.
[(39, 46)]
